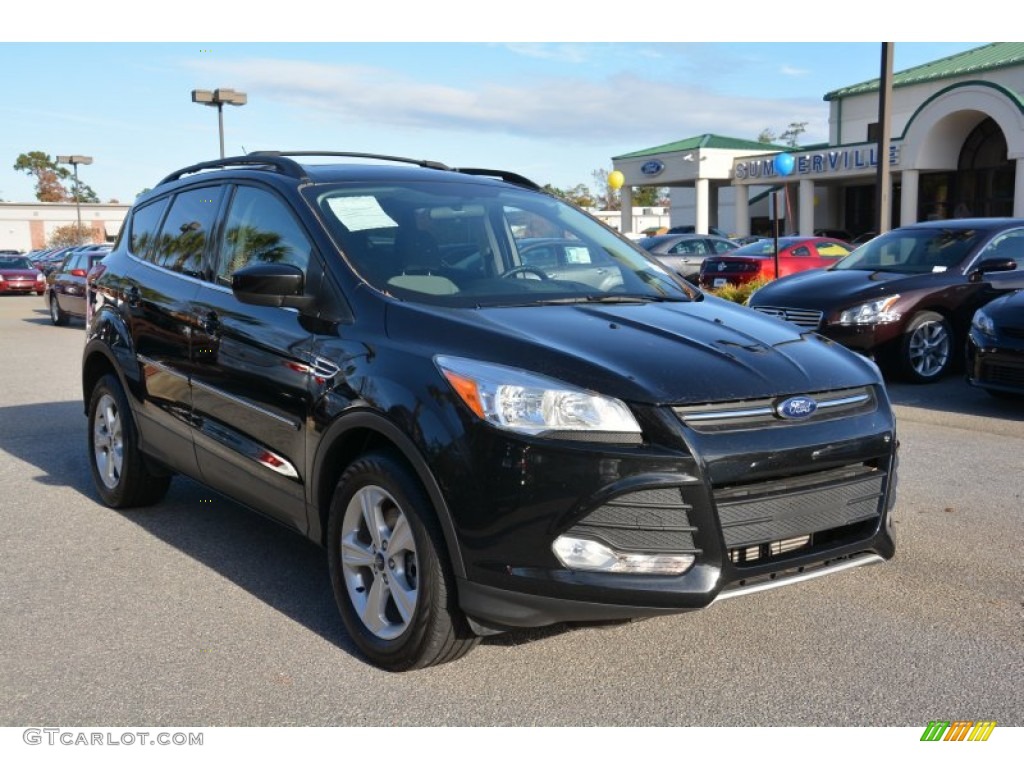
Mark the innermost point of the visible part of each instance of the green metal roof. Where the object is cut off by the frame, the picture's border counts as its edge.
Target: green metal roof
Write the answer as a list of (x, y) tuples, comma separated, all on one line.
[(983, 59), (704, 141)]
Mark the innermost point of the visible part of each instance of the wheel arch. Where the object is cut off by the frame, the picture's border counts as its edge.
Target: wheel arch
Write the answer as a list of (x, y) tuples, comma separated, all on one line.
[(351, 436)]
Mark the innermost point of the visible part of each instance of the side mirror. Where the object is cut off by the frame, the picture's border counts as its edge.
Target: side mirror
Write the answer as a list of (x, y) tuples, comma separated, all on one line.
[(999, 264), (271, 285)]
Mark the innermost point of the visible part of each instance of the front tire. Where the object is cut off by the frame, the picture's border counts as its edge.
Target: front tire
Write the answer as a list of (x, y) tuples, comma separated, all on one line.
[(118, 467), (926, 350), (389, 569)]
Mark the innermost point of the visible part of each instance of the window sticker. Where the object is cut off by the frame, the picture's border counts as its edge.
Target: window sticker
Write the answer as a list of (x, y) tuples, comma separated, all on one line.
[(360, 213), (938, 268)]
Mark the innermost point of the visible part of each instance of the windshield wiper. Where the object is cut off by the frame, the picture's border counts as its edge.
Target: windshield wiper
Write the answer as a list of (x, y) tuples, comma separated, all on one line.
[(611, 298)]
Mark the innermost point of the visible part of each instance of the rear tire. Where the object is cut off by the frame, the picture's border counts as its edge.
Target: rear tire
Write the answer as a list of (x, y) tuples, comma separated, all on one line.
[(57, 315), (389, 569), (118, 467)]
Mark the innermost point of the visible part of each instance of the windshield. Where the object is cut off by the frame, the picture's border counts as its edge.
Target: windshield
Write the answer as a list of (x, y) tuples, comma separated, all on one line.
[(914, 251), (15, 262), (478, 244)]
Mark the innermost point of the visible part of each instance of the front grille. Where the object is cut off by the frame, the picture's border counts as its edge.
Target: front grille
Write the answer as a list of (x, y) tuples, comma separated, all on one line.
[(653, 520), (1008, 375), (805, 318), (783, 509), (761, 413)]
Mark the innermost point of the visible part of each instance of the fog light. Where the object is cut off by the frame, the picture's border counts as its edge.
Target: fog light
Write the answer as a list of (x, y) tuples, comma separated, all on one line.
[(589, 555)]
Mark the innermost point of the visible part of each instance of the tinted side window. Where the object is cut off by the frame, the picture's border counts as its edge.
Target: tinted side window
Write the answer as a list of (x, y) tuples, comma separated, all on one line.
[(144, 224), (260, 228), (800, 250), (186, 229), (721, 246), (1008, 245)]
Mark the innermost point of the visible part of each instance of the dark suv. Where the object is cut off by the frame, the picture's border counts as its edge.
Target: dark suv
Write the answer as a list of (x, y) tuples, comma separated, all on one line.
[(361, 352)]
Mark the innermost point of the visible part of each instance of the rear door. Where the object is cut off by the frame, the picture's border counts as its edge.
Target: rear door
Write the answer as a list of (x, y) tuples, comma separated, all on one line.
[(170, 237), (250, 375)]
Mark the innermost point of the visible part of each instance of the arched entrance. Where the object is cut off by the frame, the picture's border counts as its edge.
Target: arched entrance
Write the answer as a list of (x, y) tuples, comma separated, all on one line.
[(985, 175), (981, 185)]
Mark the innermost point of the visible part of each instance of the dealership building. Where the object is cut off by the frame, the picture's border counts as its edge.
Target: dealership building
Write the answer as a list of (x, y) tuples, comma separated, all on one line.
[(956, 149)]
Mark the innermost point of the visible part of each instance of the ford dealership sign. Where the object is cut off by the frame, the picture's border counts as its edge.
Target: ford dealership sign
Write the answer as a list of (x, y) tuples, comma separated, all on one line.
[(652, 168)]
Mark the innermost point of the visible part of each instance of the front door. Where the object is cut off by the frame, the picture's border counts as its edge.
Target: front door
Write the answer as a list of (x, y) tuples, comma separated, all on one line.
[(250, 377)]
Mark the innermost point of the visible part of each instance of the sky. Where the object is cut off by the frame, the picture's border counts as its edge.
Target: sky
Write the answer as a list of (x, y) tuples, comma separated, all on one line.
[(552, 110)]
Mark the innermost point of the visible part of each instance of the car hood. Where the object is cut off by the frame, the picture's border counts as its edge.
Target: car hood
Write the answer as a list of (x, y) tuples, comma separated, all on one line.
[(19, 273), (834, 289), (655, 353), (1007, 310)]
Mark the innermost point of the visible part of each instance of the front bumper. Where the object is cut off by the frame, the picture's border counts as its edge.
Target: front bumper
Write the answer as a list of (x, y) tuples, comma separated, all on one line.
[(995, 364), (758, 505)]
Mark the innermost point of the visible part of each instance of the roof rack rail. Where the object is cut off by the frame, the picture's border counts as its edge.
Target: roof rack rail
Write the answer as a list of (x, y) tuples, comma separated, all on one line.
[(511, 178), (280, 164), (366, 155)]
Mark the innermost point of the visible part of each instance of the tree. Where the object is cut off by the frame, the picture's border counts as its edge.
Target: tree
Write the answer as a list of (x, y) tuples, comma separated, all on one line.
[(579, 195), (792, 133), (69, 234), (50, 178), (790, 137), (646, 197)]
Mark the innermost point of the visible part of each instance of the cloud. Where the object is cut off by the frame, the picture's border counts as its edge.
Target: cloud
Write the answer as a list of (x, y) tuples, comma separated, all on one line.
[(793, 71), (564, 53), (626, 108)]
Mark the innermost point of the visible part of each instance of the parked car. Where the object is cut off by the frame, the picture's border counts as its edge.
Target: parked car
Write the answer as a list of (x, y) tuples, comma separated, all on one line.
[(995, 347), (836, 234), (51, 260), (685, 253), (17, 275), (66, 286), (690, 229), (906, 297), (562, 259), (361, 352), (757, 260), (863, 237)]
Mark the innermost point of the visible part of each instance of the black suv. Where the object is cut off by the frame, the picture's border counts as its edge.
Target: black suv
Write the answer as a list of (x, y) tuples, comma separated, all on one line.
[(360, 351)]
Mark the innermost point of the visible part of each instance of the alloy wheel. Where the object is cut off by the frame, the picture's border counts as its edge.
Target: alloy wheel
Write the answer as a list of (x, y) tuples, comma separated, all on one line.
[(108, 444), (929, 349), (379, 562)]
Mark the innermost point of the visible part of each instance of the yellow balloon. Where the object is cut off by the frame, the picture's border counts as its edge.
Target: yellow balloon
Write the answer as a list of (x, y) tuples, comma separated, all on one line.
[(616, 179)]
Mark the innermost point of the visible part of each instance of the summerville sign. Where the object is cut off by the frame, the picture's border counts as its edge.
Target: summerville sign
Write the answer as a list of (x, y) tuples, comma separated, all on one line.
[(831, 161)]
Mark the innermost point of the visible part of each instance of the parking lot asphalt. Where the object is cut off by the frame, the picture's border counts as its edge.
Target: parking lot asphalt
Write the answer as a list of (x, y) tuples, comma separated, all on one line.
[(199, 612)]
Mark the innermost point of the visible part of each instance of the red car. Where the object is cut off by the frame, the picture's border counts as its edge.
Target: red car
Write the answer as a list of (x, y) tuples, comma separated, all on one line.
[(17, 275), (756, 260)]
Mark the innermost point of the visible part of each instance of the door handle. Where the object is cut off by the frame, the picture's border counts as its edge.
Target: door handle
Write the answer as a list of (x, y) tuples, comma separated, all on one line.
[(210, 323)]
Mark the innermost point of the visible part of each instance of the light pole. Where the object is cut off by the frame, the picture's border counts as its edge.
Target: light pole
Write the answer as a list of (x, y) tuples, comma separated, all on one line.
[(74, 161), (218, 99)]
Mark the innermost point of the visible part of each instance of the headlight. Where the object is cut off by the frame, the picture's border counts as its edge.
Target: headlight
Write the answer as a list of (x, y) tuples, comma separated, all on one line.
[(984, 323), (872, 313), (531, 404)]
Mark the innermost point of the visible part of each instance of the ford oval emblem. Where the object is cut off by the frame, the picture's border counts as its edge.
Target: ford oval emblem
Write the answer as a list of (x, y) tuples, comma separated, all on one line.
[(652, 168), (797, 408)]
